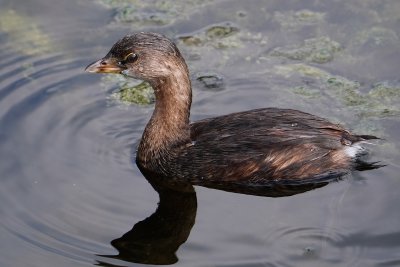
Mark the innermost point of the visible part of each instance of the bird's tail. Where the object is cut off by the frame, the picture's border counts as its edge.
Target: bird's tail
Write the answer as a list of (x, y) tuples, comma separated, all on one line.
[(364, 137), (360, 163)]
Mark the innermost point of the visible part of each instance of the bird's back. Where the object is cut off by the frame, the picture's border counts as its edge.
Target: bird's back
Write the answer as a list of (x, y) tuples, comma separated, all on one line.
[(263, 146)]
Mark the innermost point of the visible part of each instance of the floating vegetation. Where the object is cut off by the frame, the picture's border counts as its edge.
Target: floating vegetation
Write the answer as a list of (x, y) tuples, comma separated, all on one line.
[(141, 94), (387, 90), (302, 69), (382, 100), (223, 44), (131, 15), (346, 90), (24, 35), (218, 35), (129, 91), (306, 91), (151, 13), (300, 18), (220, 46), (221, 31), (317, 50), (375, 36)]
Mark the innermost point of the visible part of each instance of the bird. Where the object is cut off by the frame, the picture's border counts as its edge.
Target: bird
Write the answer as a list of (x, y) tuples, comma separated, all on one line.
[(266, 146)]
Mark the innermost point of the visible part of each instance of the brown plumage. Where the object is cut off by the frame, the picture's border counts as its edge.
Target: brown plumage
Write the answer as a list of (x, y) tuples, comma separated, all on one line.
[(256, 147)]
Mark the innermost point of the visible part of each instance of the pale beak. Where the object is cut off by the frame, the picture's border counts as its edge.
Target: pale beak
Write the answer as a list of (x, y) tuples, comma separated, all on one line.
[(104, 66)]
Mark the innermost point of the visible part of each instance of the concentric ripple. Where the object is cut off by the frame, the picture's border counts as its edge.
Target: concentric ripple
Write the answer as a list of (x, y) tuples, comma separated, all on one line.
[(312, 245), (66, 155)]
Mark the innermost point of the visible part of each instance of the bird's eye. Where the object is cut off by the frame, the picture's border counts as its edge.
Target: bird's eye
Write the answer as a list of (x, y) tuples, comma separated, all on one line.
[(130, 58)]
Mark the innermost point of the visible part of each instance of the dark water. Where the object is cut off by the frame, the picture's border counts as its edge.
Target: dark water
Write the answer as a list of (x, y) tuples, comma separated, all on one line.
[(68, 184)]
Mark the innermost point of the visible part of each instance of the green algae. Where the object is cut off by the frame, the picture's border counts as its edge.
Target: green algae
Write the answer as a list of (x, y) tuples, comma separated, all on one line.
[(306, 92), (25, 35), (375, 36), (386, 90), (131, 15), (141, 94), (129, 91), (317, 50), (297, 19), (346, 90), (383, 100), (151, 13), (339, 96), (218, 45), (220, 31), (222, 35), (379, 102), (302, 69)]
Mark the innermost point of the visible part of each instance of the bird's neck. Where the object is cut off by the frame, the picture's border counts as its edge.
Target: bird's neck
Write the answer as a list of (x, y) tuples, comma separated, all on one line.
[(169, 124)]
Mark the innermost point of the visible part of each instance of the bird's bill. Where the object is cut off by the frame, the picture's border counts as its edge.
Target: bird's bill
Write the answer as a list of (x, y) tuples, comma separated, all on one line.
[(104, 66)]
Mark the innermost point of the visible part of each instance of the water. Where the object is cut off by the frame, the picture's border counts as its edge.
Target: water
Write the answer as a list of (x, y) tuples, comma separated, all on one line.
[(69, 186)]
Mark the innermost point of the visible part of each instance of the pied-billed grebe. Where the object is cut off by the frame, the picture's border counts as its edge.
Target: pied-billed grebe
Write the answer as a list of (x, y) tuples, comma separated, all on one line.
[(256, 147)]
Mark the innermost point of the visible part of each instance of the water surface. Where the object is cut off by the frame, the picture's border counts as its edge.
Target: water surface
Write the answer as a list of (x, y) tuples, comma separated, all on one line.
[(69, 186)]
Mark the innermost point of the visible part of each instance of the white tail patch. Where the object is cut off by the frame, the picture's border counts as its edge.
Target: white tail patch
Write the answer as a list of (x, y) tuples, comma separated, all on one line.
[(353, 150)]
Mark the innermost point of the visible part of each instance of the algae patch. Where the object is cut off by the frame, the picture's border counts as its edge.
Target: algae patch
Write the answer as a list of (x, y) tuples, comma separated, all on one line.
[(151, 13), (131, 14), (129, 91), (306, 91), (381, 100), (375, 36), (384, 99), (302, 69), (24, 35), (317, 50), (346, 90), (218, 36), (300, 18)]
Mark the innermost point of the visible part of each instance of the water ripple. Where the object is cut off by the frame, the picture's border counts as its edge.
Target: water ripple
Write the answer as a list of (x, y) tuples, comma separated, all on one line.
[(66, 158), (308, 244), (68, 185)]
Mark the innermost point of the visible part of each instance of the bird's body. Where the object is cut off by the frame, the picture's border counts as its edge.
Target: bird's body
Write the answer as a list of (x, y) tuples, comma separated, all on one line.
[(259, 146), (256, 147)]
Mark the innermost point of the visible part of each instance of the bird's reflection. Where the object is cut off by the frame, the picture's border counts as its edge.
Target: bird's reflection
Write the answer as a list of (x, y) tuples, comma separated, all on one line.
[(156, 239)]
